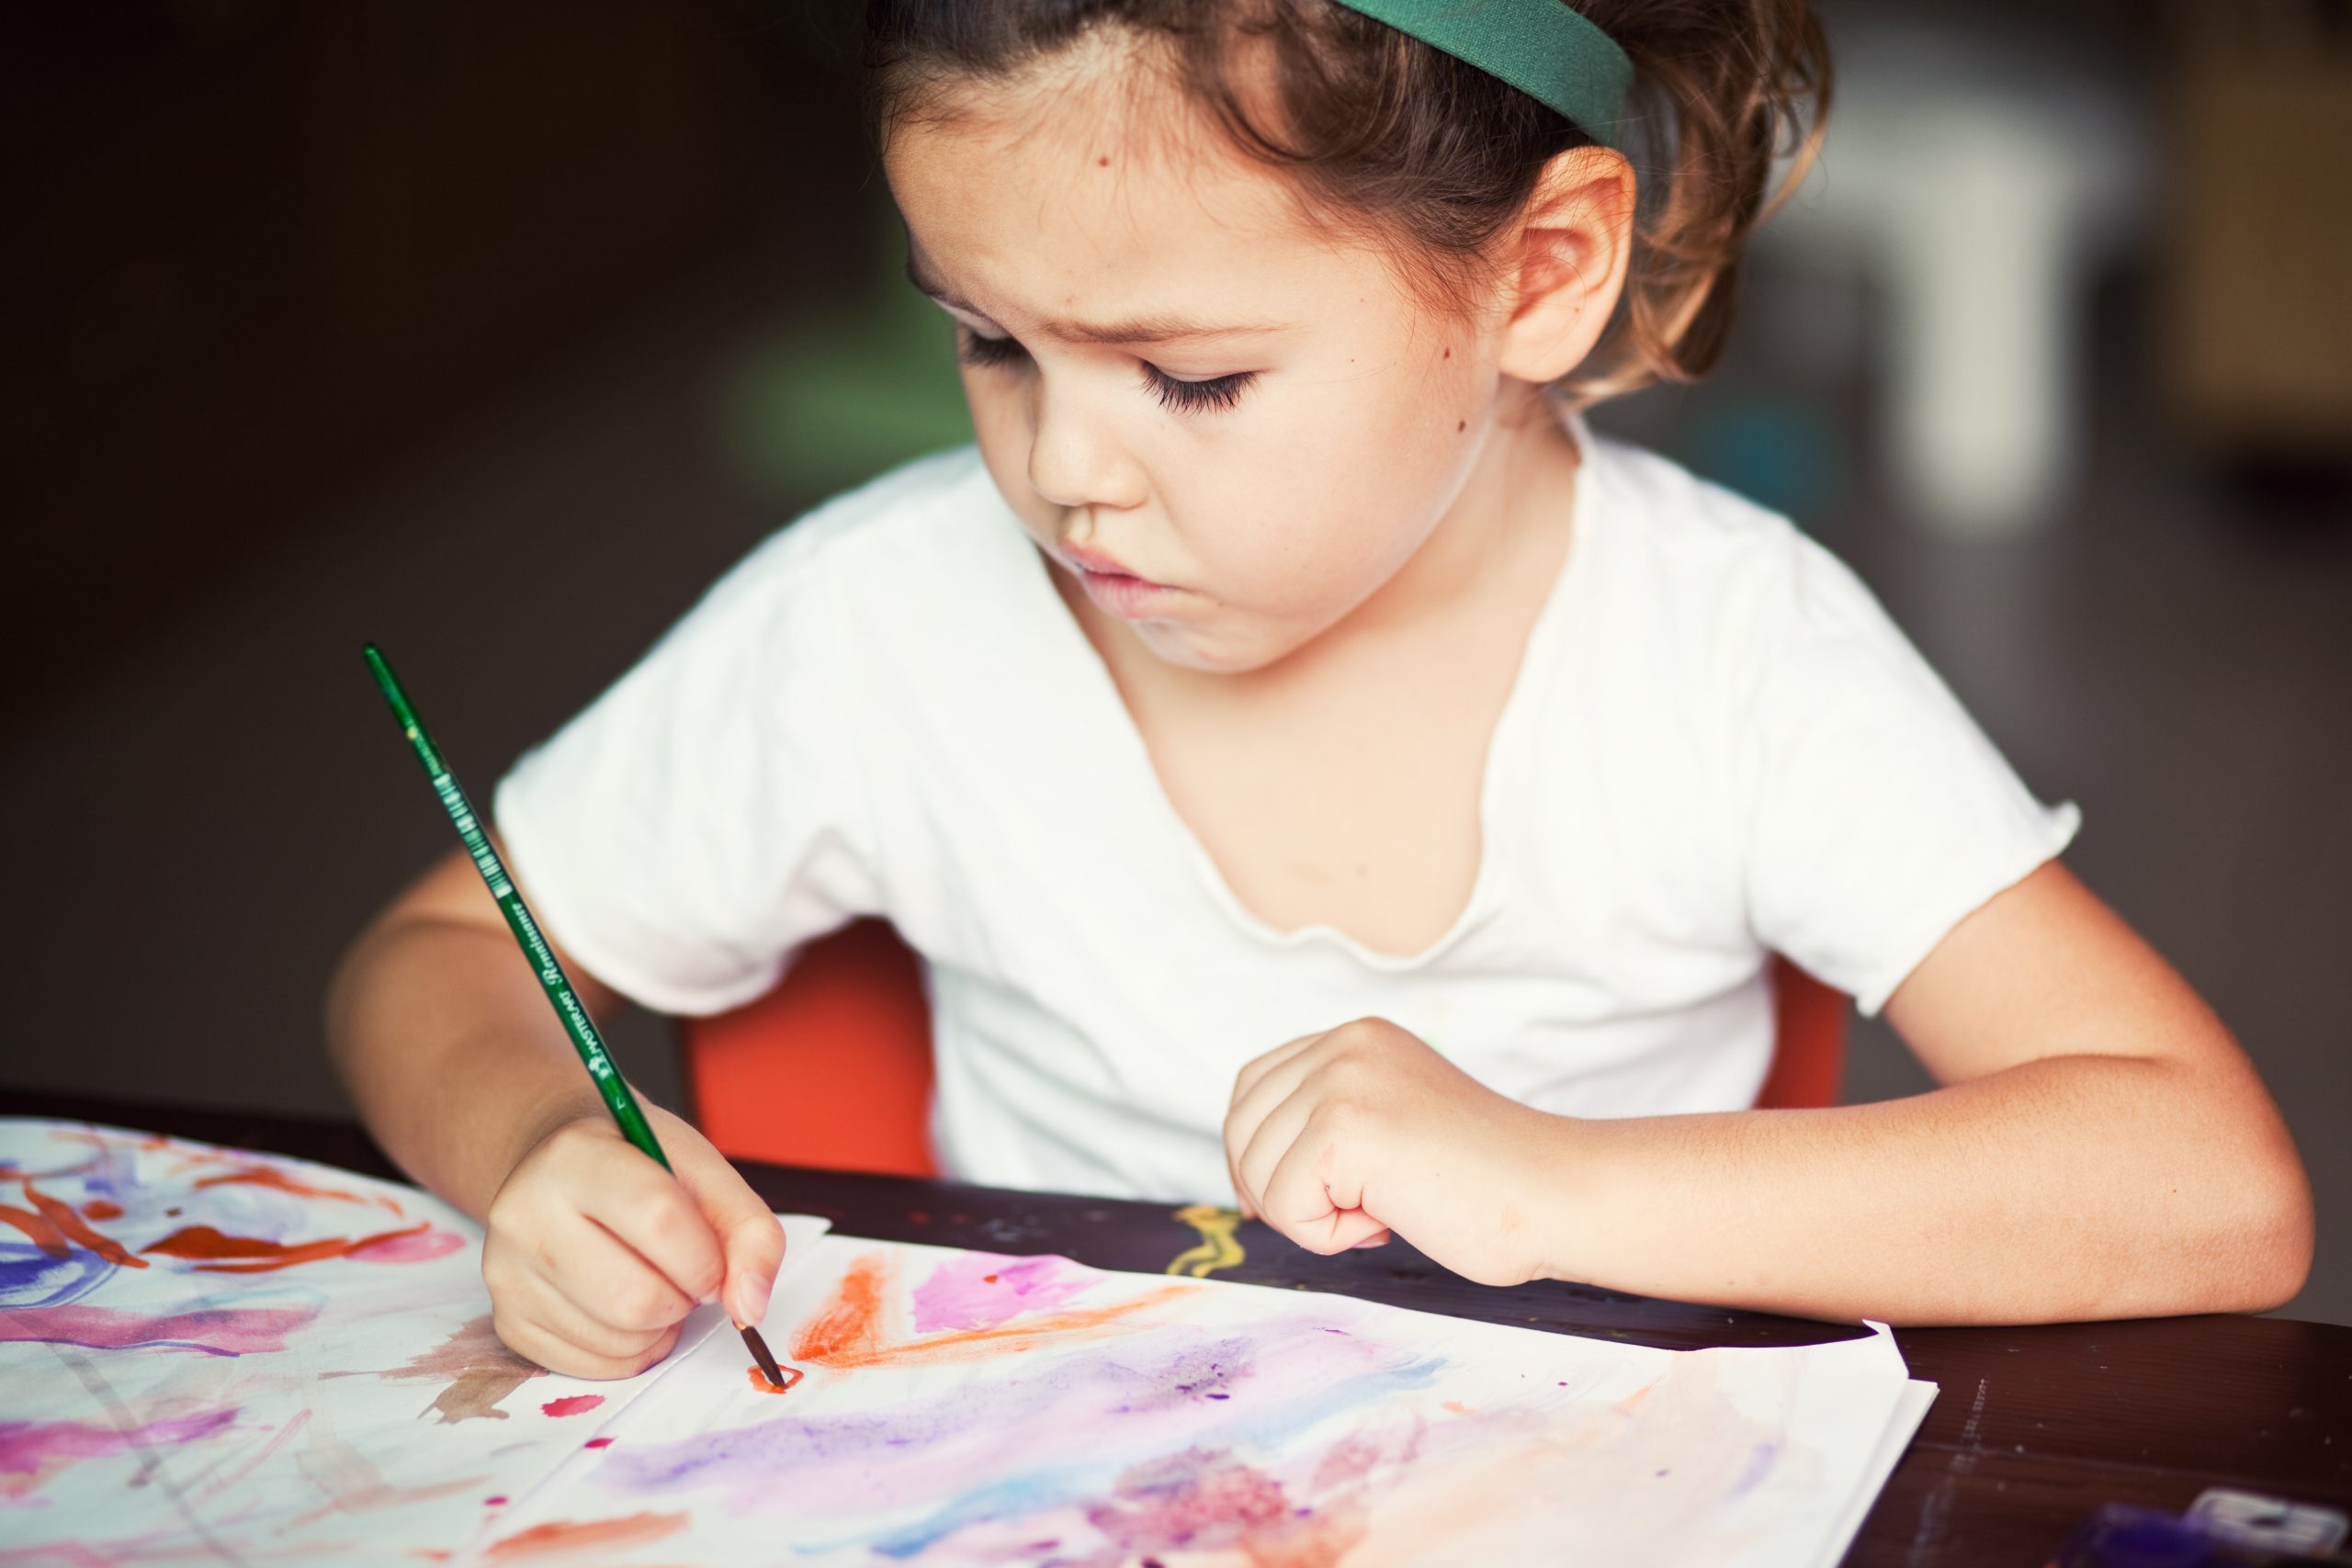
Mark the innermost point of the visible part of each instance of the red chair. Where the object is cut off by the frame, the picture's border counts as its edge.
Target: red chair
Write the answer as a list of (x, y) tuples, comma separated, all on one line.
[(832, 1067)]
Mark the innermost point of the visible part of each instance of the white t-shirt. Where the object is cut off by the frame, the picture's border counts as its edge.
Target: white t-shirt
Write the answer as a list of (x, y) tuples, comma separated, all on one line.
[(1717, 747)]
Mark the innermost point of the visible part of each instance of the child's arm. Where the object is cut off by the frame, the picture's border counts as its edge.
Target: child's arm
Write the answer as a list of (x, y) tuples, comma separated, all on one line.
[(593, 1254), (2101, 1148)]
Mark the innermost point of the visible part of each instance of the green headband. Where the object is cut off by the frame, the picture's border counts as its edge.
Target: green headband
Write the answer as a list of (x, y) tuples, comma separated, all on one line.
[(1545, 48)]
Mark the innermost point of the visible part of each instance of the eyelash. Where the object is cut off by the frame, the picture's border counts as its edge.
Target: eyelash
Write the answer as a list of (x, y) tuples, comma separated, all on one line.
[(1189, 397)]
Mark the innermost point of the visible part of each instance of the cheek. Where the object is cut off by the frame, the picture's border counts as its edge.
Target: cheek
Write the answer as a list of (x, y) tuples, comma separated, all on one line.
[(1330, 494)]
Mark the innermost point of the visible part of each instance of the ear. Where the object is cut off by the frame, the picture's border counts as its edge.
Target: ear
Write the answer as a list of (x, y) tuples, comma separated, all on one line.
[(1565, 263)]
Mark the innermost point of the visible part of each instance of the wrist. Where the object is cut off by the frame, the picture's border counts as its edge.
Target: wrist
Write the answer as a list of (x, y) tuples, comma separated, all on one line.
[(1558, 1239)]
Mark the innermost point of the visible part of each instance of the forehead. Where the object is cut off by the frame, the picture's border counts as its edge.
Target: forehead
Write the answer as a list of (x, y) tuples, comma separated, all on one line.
[(1090, 186)]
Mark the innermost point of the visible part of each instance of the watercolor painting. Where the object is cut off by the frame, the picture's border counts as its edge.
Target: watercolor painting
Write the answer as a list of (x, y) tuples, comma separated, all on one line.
[(213, 1356), (958, 1407)]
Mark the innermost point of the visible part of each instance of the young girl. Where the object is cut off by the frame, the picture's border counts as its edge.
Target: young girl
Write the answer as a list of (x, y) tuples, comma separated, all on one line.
[(1317, 769)]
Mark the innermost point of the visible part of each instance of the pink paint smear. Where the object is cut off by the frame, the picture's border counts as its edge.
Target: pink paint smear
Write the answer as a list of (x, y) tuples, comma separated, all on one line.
[(980, 1290), (28, 1448), (242, 1331), (571, 1405)]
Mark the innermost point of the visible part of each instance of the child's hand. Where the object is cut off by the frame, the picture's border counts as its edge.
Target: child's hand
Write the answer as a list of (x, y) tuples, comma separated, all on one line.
[(595, 1254), (1337, 1139)]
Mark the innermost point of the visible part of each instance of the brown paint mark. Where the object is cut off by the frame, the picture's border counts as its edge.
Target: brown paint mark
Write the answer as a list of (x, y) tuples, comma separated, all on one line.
[(354, 1485), (72, 1225), (101, 1209), (760, 1379), (560, 1536), (251, 1254), (850, 1331), (277, 1181), (476, 1367)]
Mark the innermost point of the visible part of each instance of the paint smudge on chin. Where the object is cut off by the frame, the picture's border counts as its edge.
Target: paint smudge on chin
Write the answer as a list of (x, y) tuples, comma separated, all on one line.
[(566, 1536), (571, 1405), (476, 1367), (218, 1254), (980, 1290), (240, 1331), (760, 1379)]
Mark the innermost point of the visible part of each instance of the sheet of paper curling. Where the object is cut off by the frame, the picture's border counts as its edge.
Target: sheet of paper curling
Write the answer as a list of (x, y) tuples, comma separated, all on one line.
[(209, 1356)]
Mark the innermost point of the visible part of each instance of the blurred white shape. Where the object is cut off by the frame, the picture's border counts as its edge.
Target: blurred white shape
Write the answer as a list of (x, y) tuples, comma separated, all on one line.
[(1976, 179)]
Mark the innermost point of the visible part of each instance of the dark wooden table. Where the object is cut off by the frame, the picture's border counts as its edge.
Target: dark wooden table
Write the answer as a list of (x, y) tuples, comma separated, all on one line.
[(2034, 1427)]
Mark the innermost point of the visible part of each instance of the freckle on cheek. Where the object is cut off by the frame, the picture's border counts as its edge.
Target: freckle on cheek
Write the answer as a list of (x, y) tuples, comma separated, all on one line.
[(1461, 425)]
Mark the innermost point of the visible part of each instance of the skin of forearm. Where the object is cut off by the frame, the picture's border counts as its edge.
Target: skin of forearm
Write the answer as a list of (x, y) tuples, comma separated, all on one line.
[(452, 1054), (2064, 1188)]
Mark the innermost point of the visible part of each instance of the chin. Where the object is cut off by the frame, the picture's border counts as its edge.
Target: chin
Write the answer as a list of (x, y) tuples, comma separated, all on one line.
[(1191, 648)]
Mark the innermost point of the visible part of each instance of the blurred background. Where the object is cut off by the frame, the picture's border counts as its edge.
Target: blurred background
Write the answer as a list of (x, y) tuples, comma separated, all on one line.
[(496, 331)]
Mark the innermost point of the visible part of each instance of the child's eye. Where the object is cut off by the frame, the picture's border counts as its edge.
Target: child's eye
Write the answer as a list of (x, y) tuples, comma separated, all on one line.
[(1217, 392), (979, 350)]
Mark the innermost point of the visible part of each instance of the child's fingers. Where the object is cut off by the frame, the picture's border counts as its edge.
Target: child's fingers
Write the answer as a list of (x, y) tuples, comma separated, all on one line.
[(750, 1238), (523, 1297), (647, 1210), (608, 1279), (1257, 1067), (1313, 1199), (535, 1341), (1284, 1125)]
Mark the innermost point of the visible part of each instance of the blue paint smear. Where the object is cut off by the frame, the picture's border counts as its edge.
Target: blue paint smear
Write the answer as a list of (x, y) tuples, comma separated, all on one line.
[(33, 1278)]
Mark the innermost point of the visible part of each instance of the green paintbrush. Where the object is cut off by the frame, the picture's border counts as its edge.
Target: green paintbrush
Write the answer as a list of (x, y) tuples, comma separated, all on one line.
[(552, 980)]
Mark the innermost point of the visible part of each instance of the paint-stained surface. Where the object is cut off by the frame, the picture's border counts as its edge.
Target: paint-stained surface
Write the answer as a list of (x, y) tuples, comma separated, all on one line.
[(208, 1355), (964, 1407)]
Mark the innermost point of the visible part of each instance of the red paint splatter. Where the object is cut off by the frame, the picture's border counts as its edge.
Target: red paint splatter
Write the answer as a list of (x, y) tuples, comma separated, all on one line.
[(988, 1279), (45, 1235), (917, 1217), (101, 1209), (250, 1255), (271, 1177), (760, 1379), (493, 1502), (597, 1443), (56, 1225), (571, 1405)]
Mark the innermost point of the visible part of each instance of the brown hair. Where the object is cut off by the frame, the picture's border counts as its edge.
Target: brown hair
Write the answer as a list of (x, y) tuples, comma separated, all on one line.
[(1382, 131)]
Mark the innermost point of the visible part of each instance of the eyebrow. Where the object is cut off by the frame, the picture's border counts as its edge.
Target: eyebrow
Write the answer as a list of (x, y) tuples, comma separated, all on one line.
[(1142, 329)]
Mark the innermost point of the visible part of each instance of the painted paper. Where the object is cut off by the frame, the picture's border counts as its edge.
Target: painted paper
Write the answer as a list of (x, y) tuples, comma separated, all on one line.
[(290, 1363)]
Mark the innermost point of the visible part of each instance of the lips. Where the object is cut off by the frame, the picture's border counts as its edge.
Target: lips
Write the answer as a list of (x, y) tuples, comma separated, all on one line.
[(1096, 564)]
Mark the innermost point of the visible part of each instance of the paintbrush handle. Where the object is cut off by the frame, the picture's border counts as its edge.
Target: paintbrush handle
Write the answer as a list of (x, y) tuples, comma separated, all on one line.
[(544, 962)]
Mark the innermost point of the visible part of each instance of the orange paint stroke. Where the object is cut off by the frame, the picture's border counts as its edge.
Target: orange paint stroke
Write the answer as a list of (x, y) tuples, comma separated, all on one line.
[(562, 1536), (850, 1331), (102, 1209), (46, 1237), (63, 1216), (277, 1181), (760, 1379), (251, 1254)]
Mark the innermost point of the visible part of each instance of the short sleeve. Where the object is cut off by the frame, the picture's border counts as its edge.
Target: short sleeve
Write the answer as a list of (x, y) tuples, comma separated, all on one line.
[(704, 817), (1876, 814)]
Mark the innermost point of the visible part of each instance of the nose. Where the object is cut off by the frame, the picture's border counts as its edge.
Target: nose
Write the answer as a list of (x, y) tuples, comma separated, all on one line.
[(1076, 457)]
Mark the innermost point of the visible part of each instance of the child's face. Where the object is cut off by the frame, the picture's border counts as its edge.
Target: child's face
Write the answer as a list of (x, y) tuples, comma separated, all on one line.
[(1264, 470)]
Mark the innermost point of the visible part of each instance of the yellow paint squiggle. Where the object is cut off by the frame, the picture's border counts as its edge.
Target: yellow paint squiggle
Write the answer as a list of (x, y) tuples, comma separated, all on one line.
[(1218, 1248)]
